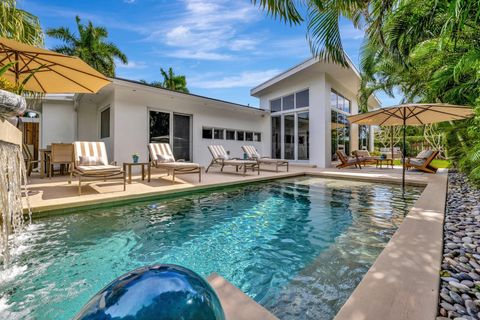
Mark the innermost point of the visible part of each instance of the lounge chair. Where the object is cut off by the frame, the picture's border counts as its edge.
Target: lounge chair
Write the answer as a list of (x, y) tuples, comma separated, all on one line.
[(365, 157), (253, 154), (423, 161), (91, 161), (222, 159), (345, 161), (162, 158)]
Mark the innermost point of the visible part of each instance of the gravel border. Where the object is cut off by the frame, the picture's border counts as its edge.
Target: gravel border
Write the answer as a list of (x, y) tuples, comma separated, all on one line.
[(460, 270)]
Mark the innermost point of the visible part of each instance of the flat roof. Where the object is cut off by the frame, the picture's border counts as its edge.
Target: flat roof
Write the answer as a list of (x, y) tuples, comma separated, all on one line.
[(138, 83)]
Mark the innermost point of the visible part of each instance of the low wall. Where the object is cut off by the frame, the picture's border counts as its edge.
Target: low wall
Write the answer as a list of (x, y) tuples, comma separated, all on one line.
[(10, 133)]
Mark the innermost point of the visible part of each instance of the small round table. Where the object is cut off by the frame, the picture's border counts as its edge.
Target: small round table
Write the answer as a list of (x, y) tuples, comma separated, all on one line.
[(127, 167), (387, 162)]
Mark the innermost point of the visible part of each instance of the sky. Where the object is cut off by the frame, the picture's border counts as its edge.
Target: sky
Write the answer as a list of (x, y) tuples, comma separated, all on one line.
[(223, 47)]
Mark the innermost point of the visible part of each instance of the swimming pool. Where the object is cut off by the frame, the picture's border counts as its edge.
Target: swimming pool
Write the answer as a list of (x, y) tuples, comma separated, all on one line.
[(298, 246)]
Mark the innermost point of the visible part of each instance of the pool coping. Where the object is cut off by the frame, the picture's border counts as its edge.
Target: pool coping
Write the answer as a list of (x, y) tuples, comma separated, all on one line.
[(403, 282)]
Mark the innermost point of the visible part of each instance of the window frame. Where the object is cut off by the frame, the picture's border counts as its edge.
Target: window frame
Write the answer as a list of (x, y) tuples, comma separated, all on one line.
[(101, 111), (294, 109)]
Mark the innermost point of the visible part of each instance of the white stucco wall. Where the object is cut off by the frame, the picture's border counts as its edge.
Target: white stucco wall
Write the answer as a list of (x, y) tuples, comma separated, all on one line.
[(131, 124), (58, 120)]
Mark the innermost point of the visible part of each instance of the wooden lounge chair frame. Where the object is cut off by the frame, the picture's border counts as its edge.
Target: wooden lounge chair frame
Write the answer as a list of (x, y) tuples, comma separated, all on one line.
[(104, 171), (365, 159), (425, 166), (29, 159), (174, 167), (220, 158), (345, 161), (253, 154)]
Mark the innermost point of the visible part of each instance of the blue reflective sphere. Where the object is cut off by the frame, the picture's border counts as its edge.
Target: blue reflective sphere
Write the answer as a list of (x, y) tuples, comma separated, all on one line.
[(157, 292)]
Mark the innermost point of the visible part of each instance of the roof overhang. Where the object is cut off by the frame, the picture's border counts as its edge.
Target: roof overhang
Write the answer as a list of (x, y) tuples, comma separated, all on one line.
[(347, 76)]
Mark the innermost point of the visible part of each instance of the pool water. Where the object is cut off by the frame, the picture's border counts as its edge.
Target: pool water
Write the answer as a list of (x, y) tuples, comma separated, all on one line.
[(297, 246)]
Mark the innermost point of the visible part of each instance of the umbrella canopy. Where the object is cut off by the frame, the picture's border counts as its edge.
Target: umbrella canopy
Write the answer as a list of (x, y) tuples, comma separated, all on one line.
[(413, 114), (53, 72)]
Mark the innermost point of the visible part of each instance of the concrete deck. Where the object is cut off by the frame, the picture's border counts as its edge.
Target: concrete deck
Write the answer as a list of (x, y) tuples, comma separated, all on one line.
[(402, 284)]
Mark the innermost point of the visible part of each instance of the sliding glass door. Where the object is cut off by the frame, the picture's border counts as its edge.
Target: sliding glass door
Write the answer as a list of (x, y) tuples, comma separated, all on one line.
[(172, 128), (291, 136)]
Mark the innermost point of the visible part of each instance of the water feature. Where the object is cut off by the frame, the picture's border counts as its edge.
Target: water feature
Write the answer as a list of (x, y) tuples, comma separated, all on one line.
[(12, 174)]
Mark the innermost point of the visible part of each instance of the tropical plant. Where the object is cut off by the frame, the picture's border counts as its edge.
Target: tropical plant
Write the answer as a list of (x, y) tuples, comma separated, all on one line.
[(170, 81), (19, 24), (90, 45)]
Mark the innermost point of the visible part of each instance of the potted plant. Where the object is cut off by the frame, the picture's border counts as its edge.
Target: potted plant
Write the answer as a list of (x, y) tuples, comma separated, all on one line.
[(135, 157)]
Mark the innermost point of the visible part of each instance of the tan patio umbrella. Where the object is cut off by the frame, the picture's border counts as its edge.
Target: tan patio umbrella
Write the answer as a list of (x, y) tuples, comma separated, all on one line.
[(412, 114), (53, 72)]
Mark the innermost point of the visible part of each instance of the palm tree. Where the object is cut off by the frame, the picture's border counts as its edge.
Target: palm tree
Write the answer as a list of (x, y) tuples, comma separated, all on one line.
[(19, 24), (172, 81), (90, 45)]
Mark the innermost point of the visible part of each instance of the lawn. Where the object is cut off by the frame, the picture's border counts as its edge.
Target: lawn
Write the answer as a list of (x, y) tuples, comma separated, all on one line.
[(437, 163)]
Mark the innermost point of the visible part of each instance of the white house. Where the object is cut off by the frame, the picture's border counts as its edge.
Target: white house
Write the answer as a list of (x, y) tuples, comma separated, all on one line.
[(302, 117)]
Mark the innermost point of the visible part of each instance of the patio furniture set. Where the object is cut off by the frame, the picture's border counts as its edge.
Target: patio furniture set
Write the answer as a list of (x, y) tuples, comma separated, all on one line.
[(422, 162), (89, 160)]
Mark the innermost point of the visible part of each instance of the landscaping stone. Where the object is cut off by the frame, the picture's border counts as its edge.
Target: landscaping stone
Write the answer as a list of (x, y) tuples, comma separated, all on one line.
[(460, 273)]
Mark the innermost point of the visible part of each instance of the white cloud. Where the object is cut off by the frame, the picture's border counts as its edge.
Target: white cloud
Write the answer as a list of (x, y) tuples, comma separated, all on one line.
[(245, 79), (131, 65), (198, 55)]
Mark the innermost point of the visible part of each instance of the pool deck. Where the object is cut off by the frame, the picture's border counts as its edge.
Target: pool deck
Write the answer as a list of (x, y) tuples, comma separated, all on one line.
[(403, 283)]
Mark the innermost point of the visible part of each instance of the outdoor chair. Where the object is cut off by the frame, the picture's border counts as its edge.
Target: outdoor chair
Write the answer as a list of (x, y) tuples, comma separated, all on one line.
[(346, 161), (29, 159), (253, 154), (397, 152), (162, 158), (423, 161), (221, 158), (91, 161), (61, 154), (364, 157)]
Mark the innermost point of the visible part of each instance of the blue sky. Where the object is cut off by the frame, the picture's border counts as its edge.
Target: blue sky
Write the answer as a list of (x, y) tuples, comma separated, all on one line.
[(223, 47)]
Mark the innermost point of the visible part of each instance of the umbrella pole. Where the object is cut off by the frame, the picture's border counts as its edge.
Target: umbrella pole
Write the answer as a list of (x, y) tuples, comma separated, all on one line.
[(403, 156), (391, 142)]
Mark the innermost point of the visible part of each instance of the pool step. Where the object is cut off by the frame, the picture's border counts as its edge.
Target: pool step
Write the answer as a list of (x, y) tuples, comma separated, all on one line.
[(236, 304)]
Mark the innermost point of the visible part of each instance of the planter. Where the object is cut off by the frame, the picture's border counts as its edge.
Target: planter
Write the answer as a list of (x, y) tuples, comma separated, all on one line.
[(11, 104)]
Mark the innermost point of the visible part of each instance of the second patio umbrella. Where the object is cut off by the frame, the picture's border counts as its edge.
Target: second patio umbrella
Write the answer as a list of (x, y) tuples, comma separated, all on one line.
[(412, 114)]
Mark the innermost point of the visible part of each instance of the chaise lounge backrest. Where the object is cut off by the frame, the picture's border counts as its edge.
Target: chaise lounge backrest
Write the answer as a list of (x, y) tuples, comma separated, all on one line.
[(161, 152), (362, 153), (218, 152), (90, 153), (251, 152)]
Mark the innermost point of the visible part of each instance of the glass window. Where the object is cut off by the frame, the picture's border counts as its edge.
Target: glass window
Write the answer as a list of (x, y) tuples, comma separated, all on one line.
[(363, 137), (257, 136), (302, 99), (340, 133), (276, 105), (276, 138), (230, 135), (346, 105), (303, 126), (333, 99), (248, 136), (218, 134), (289, 136), (159, 127), (181, 137), (105, 123), (240, 135), (207, 133), (288, 102)]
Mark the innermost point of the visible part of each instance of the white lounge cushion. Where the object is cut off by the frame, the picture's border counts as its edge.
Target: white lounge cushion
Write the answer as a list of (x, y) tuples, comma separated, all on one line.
[(99, 168), (165, 158), (270, 160), (425, 154), (180, 165), (417, 162)]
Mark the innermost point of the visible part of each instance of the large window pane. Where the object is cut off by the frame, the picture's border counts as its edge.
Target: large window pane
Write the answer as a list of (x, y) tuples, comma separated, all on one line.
[(105, 123), (346, 105), (303, 136), (276, 138), (302, 99), (207, 133), (248, 136), (240, 135), (333, 100), (288, 102), (257, 136), (159, 127), (218, 134), (363, 137), (276, 105), (181, 137), (289, 136)]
